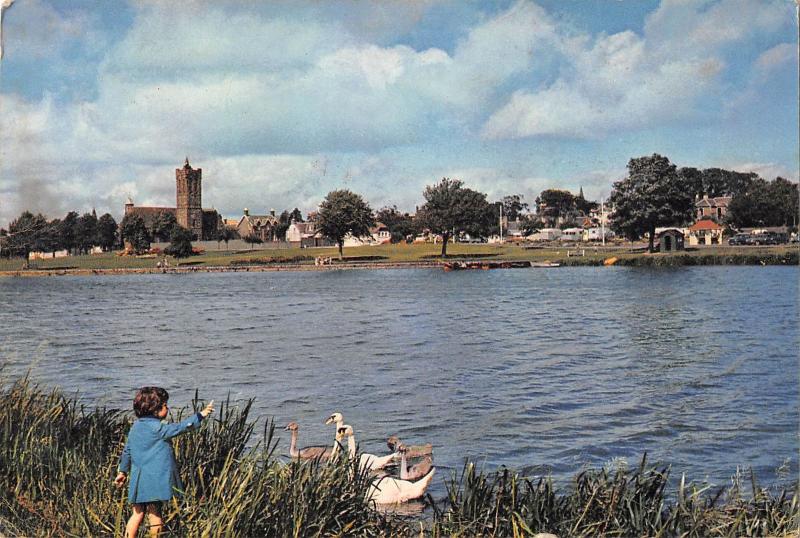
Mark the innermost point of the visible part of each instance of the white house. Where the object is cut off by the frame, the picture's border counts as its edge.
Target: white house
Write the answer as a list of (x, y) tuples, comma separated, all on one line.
[(546, 234), (572, 234)]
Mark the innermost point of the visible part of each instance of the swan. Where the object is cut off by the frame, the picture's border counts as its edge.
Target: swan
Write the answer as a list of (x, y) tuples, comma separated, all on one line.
[(414, 451), (392, 490), (417, 471), (337, 419), (369, 462), (309, 452)]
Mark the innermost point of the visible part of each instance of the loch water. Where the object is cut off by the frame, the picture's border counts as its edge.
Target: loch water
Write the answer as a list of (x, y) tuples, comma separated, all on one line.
[(543, 370)]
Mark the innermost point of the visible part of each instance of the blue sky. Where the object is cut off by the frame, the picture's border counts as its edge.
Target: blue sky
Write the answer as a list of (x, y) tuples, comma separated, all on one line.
[(281, 102)]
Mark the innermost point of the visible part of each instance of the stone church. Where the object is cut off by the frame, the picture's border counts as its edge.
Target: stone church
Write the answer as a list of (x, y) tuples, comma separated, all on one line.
[(203, 223)]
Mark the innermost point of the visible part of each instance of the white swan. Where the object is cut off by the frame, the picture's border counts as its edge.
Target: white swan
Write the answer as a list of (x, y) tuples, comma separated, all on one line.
[(369, 462), (335, 418), (392, 490), (309, 452), (417, 471)]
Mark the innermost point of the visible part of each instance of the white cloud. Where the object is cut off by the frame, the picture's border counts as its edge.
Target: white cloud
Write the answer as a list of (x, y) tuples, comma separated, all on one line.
[(768, 171), (776, 57), (624, 81)]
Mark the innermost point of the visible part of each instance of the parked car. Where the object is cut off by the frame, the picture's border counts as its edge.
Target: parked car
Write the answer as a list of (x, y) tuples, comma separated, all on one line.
[(767, 238), (739, 239)]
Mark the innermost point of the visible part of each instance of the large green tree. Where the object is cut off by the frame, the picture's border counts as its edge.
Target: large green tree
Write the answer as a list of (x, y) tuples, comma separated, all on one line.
[(133, 230), (765, 203), (652, 195), (68, 232), (163, 225), (400, 225), (86, 232), (180, 245), (450, 208), (551, 204), (344, 212), (106, 231), (28, 233)]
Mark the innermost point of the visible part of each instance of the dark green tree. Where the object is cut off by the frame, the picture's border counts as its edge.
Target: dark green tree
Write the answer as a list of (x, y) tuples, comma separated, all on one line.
[(450, 208), (787, 197), (530, 224), (652, 195), (765, 203), (180, 245), (86, 232), (28, 233), (344, 212), (68, 232), (224, 233), (553, 204), (400, 225), (513, 206), (295, 215), (163, 225), (106, 232), (134, 231)]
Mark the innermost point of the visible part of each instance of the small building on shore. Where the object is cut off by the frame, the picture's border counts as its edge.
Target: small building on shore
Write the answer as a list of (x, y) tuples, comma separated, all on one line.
[(670, 240), (705, 232)]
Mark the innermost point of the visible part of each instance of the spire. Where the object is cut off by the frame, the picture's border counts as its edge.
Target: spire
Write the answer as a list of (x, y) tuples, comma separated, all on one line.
[(186, 164), (580, 193)]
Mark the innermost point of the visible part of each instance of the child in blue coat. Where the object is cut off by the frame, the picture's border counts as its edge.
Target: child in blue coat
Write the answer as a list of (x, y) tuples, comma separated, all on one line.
[(149, 458)]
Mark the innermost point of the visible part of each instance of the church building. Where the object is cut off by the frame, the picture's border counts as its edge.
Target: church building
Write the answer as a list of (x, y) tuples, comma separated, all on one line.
[(189, 213)]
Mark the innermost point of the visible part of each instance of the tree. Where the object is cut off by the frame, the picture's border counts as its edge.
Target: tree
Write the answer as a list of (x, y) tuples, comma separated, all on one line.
[(134, 231), (296, 216), (86, 232), (529, 224), (224, 233), (344, 212), (163, 225), (513, 206), (400, 225), (765, 203), (652, 195), (180, 245), (552, 204), (106, 232), (67, 232), (27, 233), (452, 208)]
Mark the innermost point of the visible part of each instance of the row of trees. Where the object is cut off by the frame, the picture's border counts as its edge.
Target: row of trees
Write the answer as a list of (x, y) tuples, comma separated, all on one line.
[(75, 234)]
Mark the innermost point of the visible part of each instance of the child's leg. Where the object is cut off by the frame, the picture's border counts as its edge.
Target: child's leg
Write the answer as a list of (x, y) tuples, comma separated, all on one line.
[(154, 518), (135, 520)]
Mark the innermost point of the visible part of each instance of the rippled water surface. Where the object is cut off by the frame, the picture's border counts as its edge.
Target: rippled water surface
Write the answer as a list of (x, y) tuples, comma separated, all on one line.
[(544, 370)]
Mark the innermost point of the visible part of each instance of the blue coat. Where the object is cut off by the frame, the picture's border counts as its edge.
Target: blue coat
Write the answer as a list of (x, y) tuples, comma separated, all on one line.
[(149, 460)]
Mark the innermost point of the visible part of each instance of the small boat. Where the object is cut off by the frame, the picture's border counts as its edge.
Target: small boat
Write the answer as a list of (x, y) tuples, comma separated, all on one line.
[(545, 264)]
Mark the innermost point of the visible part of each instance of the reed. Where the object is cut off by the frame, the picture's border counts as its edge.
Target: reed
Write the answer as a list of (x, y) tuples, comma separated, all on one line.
[(58, 459)]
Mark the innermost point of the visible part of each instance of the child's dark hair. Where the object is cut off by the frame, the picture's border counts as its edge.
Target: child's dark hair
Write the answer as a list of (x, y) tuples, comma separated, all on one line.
[(148, 401)]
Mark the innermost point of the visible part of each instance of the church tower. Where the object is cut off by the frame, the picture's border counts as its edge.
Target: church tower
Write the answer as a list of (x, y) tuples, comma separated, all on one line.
[(189, 212)]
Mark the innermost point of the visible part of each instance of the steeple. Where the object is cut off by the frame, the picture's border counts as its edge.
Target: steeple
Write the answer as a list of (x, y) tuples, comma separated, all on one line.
[(186, 164)]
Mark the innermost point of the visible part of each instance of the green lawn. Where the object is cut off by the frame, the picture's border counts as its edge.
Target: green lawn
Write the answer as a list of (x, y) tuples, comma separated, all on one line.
[(400, 253)]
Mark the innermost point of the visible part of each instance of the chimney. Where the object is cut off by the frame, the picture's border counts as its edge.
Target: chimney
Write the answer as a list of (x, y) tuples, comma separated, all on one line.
[(272, 212), (246, 212)]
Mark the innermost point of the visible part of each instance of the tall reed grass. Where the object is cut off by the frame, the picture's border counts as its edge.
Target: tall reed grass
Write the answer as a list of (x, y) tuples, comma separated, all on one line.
[(58, 459)]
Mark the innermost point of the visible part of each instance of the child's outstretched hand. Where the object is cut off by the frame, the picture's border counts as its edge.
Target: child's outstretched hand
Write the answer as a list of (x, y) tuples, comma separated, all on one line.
[(120, 479), (207, 410)]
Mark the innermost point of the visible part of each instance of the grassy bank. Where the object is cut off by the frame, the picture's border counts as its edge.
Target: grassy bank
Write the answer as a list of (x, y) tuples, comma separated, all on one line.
[(58, 459), (402, 254)]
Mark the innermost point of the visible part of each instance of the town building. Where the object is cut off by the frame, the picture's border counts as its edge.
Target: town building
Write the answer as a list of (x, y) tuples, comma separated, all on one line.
[(189, 212), (711, 208), (705, 232), (263, 227)]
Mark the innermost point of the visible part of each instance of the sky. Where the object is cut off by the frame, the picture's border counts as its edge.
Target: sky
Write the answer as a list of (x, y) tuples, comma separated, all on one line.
[(281, 102)]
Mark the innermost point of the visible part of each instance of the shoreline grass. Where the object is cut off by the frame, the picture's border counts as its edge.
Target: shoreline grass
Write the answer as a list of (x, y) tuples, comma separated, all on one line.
[(58, 459), (403, 255)]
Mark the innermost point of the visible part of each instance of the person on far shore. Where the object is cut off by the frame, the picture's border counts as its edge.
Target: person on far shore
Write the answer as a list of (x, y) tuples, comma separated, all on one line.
[(149, 458)]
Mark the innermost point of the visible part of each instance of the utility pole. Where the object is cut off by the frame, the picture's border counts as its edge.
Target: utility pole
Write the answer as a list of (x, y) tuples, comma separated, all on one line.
[(603, 220), (501, 222)]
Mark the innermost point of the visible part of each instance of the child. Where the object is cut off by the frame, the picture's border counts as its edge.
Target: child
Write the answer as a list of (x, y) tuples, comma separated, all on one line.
[(149, 457)]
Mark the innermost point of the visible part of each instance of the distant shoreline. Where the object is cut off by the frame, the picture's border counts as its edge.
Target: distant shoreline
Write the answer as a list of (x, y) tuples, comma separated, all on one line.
[(789, 257)]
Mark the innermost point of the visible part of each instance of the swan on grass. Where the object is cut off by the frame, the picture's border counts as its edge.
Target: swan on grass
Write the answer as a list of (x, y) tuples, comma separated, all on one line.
[(369, 462), (309, 452), (392, 490), (414, 451)]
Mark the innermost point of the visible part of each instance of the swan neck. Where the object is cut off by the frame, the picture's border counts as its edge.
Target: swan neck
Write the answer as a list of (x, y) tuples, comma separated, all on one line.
[(293, 452), (351, 445)]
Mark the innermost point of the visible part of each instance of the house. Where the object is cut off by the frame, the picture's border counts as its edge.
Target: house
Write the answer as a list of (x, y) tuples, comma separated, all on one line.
[(546, 234), (261, 226), (572, 234), (711, 208), (670, 239), (596, 234), (380, 234), (705, 232)]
